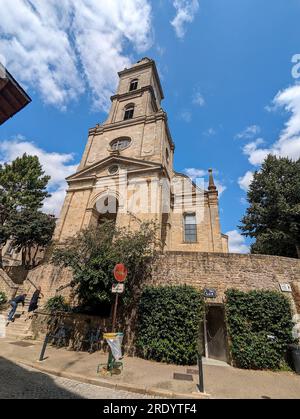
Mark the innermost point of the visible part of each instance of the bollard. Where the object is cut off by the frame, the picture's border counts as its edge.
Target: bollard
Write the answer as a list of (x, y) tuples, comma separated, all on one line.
[(44, 347), (201, 377)]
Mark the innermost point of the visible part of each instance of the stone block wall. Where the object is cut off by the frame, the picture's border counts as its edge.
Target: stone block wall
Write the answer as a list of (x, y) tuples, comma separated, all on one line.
[(7, 285), (223, 271), (50, 278), (201, 270), (78, 324)]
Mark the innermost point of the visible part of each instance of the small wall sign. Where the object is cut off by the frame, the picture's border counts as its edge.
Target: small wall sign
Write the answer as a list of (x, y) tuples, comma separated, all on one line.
[(210, 293), (285, 287)]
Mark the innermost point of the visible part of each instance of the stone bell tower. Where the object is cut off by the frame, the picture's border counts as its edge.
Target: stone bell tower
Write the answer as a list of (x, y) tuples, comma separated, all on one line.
[(126, 173), (134, 139), (135, 114)]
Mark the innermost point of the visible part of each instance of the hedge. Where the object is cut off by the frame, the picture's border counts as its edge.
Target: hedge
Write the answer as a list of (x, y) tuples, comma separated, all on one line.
[(3, 299), (57, 303), (260, 328), (169, 323)]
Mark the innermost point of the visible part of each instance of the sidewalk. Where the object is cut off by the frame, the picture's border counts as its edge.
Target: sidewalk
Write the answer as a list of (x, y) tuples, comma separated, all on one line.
[(146, 377)]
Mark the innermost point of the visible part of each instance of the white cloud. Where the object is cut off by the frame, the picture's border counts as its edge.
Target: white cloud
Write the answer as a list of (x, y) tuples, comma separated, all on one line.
[(198, 99), (237, 242), (256, 155), (185, 13), (210, 132), (58, 166), (245, 181), (288, 144), (61, 48), (186, 116), (249, 132), (220, 187), (53, 205), (195, 174)]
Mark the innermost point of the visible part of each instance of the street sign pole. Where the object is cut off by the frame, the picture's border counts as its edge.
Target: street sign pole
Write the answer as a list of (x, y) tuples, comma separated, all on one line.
[(115, 313), (120, 274), (201, 375)]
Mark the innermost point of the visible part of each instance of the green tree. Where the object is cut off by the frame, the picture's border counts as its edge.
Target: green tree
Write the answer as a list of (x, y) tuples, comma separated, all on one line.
[(273, 217), (22, 187), (94, 252), (30, 232)]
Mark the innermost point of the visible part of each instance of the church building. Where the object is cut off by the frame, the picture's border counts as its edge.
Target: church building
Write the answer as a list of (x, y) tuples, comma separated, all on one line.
[(127, 174)]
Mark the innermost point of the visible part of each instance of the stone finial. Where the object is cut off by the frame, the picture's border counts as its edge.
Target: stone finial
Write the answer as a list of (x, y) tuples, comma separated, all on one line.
[(211, 186)]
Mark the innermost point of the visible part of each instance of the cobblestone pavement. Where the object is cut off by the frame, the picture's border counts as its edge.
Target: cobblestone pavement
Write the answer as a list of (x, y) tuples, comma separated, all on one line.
[(20, 382)]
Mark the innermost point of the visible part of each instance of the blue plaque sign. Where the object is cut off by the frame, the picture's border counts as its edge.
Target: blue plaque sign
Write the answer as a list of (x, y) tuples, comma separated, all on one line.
[(210, 293)]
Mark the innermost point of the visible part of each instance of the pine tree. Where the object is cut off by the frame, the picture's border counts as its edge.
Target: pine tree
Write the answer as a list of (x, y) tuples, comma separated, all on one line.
[(22, 189), (273, 217)]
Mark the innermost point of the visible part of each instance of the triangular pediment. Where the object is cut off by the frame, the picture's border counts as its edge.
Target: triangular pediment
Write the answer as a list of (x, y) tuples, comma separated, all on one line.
[(130, 164)]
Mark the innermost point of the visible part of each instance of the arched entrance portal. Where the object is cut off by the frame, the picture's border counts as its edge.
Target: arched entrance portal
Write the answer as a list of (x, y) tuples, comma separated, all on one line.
[(107, 209)]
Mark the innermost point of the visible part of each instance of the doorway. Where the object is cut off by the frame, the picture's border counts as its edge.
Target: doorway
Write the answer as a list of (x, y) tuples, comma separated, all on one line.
[(216, 333)]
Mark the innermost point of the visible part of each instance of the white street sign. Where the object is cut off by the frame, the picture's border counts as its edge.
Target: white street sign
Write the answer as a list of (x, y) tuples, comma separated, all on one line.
[(118, 288)]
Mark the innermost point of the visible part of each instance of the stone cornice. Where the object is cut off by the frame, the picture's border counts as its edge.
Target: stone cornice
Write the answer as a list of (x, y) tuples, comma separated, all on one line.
[(146, 165), (160, 115), (136, 93)]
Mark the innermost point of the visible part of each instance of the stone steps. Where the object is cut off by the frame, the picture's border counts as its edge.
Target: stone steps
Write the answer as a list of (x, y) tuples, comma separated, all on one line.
[(18, 336), (19, 329)]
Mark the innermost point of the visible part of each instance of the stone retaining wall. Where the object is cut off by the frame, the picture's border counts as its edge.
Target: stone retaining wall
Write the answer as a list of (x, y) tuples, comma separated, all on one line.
[(224, 271), (7, 285), (79, 324), (201, 270)]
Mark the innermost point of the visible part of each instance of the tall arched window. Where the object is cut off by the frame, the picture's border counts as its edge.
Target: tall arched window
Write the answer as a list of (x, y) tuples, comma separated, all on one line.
[(133, 85), (129, 112), (190, 228)]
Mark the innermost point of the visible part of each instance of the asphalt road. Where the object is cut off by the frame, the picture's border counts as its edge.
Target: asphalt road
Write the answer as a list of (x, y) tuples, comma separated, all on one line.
[(20, 382)]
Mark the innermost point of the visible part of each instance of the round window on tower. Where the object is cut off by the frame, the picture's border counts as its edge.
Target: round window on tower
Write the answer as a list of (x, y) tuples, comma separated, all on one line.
[(113, 169), (120, 144)]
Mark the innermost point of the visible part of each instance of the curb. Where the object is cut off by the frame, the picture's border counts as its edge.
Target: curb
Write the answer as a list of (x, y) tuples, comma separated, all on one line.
[(150, 391)]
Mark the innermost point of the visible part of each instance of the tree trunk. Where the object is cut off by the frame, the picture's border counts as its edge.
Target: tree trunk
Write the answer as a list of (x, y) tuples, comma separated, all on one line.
[(298, 250), (1, 258), (33, 261), (24, 257)]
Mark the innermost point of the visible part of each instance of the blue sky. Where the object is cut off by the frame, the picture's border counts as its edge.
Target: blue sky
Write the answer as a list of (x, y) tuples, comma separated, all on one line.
[(232, 91)]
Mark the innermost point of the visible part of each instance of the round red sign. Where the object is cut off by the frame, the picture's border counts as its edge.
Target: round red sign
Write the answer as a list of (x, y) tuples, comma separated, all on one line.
[(120, 272)]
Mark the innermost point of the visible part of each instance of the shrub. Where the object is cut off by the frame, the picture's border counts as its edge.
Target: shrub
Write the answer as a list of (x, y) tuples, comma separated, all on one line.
[(3, 299), (169, 323), (260, 328), (93, 254), (57, 303)]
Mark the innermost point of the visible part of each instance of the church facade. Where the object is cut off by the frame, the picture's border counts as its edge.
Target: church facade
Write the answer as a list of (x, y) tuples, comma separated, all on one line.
[(127, 175)]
